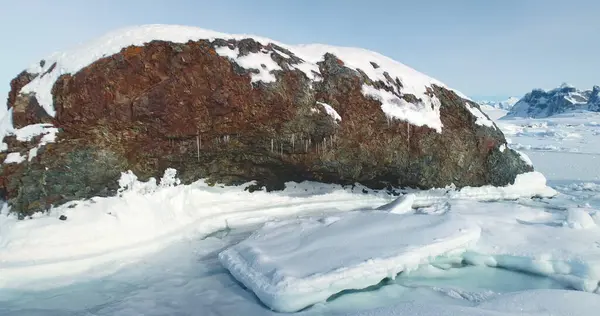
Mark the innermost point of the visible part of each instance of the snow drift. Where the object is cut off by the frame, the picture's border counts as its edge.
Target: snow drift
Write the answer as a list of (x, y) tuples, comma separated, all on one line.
[(148, 215)]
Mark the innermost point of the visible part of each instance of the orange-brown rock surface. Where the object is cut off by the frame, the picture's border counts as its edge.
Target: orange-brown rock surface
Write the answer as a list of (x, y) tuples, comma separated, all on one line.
[(164, 104)]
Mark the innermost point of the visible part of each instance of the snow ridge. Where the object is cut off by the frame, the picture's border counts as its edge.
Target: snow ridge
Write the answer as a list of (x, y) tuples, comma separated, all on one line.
[(502, 105)]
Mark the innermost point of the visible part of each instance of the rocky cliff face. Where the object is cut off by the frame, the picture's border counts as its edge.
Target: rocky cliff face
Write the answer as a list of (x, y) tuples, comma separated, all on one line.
[(235, 109), (594, 100), (542, 103)]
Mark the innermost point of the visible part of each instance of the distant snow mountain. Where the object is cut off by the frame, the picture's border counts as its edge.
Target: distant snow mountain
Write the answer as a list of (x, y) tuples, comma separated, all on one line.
[(594, 100), (503, 105), (565, 98)]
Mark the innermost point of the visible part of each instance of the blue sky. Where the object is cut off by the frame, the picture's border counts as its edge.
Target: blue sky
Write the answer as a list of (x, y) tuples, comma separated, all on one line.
[(484, 48)]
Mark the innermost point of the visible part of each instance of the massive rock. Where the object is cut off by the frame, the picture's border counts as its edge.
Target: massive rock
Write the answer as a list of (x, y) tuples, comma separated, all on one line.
[(234, 109)]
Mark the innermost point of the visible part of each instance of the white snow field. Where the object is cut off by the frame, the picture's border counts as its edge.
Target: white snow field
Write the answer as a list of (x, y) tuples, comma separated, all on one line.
[(564, 147), (154, 249)]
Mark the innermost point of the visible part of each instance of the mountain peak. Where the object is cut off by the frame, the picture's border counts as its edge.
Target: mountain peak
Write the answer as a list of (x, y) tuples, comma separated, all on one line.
[(565, 85), (565, 98), (504, 105)]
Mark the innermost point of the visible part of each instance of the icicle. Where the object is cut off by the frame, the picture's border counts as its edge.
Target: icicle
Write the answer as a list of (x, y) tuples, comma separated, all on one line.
[(272, 145), (198, 146), (293, 144), (408, 133)]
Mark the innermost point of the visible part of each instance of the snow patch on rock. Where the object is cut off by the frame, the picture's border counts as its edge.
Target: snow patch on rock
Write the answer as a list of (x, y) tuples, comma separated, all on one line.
[(331, 111), (27, 133), (262, 62), (5, 127), (421, 114), (226, 51), (14, 158), (481, 118), (524, 157)]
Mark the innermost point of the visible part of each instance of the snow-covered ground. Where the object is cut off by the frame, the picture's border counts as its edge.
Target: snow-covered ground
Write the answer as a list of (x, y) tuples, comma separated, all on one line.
[(565, 147), (155, 249)]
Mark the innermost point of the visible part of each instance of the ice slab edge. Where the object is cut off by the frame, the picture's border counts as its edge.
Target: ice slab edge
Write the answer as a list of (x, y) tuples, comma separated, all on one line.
[(294, 264), (577, 274), (530, 303)]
